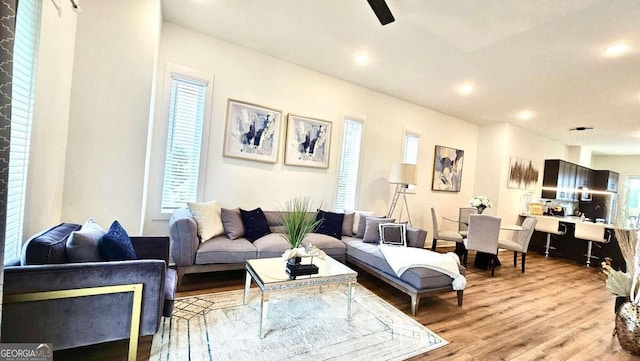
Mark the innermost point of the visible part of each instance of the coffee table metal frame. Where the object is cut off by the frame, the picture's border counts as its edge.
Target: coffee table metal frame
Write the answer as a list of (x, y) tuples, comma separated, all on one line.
[(270, 276)]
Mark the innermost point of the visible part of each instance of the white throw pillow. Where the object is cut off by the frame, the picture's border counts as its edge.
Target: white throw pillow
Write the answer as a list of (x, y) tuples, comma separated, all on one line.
[(82, 245), (356, 218), (207, 216)]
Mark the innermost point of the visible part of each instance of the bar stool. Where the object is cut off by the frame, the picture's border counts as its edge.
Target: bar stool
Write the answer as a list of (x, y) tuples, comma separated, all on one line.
[(591, 232), (550, 225)]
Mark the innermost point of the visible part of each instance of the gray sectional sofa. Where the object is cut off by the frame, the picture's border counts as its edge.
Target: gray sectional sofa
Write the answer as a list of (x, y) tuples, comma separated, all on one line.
[(223, 253)]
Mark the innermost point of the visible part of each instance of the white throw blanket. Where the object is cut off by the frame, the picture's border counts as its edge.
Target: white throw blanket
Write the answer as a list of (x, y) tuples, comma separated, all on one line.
[(402, 258)]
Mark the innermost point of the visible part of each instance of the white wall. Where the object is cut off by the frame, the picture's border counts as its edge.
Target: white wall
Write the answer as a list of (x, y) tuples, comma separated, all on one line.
[(506, 141), (247, 75), (43, 206), (113, 73)]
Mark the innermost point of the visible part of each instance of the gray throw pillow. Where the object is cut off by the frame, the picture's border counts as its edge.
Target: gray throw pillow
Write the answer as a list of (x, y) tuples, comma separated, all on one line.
[(371, 233), (362, 225), (347, 224), (82, 245), (232, 223)]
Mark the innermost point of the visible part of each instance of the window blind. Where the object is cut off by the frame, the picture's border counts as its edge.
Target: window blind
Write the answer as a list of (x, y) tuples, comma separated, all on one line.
[(349, 165), (25, 54), (184, 141), (411, 144)]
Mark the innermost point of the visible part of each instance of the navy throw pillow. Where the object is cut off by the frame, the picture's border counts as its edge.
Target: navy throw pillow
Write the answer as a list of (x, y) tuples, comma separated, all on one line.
[(330, 223), (255, 224), (116, 245)]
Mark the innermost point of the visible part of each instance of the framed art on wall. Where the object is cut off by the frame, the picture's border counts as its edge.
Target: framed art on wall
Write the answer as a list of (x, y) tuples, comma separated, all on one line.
[(447, 169), (252, 132), (523, 173), (308, 142)]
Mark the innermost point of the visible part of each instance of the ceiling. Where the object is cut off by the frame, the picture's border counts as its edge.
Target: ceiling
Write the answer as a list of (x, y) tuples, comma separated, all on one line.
[(545, 56)]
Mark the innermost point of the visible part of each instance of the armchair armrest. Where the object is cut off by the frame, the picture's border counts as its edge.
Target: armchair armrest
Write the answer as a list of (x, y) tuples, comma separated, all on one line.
[(85, 320), (151, 247)]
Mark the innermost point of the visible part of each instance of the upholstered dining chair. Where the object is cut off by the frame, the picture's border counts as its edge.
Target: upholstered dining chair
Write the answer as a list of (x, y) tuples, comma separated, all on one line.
[(484, 231), (591, 232), (463, 219), (451, 236), (520, 241), (551, 226)]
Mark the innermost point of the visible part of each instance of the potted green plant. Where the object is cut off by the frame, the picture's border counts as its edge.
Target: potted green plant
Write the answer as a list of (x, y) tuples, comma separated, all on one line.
[(298, 220)]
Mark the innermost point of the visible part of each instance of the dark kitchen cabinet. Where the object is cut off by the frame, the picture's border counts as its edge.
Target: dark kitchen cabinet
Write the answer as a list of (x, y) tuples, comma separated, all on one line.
[(559, 179), (605, 180), (584, 179)]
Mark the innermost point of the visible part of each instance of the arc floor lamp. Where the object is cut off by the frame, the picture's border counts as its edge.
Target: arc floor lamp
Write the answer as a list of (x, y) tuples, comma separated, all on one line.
[(402, 175)]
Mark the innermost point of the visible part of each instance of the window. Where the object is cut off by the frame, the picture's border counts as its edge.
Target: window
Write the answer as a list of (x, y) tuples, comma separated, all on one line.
[(411, 144), (184, 141), (410, 154), (633, 202), (349, 165), (25, 54)]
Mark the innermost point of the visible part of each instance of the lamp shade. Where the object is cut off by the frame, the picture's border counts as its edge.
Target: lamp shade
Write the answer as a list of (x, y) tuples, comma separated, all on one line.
[(402, 173)]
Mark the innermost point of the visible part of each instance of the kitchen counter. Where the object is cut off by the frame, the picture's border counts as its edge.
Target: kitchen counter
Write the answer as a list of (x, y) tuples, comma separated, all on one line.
[(570, 219), (572, 248)]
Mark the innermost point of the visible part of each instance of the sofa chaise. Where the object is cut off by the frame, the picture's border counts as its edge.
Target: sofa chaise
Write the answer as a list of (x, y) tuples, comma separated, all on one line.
[(191, 255)]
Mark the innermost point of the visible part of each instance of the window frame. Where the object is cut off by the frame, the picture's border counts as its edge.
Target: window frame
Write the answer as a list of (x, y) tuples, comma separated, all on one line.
[(362, 121), (405, 135), (14, 241), (159, 154)]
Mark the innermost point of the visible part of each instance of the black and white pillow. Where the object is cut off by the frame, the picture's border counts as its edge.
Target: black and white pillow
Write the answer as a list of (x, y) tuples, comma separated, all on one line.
[(393, 234)]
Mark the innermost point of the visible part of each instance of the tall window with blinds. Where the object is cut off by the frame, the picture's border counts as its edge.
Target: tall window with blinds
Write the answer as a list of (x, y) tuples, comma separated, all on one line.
[(184, 142), (25, 55), (410, 153), (349, 165), (411, 145)]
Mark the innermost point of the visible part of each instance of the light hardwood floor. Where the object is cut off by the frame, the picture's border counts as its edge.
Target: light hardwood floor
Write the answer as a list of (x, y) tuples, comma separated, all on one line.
[(557, 310)]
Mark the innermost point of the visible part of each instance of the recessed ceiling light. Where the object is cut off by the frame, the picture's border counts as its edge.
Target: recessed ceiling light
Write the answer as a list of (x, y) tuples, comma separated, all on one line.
[(362, 59), (615, 50), (525, 115), (465, 89)]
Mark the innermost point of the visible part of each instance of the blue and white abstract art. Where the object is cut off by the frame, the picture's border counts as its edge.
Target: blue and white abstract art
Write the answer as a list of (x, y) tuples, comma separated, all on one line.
[(253, 132), (308, 142)]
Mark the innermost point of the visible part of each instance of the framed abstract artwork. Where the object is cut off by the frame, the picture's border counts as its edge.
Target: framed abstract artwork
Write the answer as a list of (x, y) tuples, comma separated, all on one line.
[(523, 173), (252, 132), (447, 169), (308, 142)]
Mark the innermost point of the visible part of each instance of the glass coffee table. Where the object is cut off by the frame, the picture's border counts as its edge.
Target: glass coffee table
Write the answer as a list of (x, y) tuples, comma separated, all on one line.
[(270, 276)]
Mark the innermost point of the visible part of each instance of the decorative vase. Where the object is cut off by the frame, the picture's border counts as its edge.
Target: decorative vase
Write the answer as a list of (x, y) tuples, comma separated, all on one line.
[(480, 209), (628, 327)]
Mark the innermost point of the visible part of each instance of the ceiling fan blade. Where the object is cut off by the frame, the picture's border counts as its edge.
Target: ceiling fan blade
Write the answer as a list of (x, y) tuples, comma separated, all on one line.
[(382, 11)]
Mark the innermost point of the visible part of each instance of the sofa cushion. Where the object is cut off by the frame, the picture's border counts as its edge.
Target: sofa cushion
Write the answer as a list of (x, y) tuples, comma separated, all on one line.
[(347, 224), (418, 277), (359, 222), (116, 245), (207, 216), (271, 245), (330, 223), (372, 233), (221, 249), (328, 244), (82, 245), (232, 223), (255, 224), (49, 246), (362, 225)]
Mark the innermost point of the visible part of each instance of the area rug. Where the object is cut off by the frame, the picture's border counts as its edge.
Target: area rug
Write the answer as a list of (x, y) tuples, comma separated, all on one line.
[(301, 325)]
